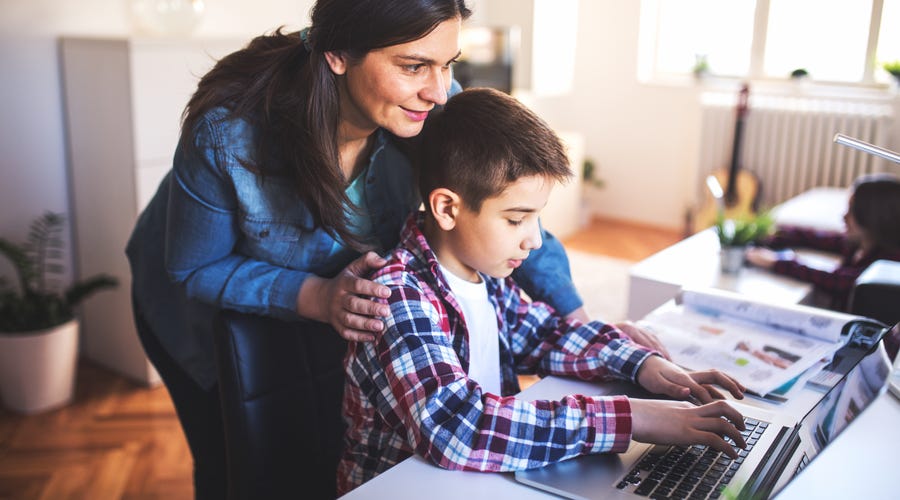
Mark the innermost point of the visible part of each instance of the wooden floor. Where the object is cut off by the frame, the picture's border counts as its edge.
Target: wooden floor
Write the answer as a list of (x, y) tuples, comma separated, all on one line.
[(121, 440)]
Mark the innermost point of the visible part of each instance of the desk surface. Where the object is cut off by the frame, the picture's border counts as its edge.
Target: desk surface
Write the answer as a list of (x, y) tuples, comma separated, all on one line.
[(694, 262), (414, 477), (860, 463)]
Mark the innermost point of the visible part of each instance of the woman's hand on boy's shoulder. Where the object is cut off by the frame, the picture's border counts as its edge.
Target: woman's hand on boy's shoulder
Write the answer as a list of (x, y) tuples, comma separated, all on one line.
[(345, 302)]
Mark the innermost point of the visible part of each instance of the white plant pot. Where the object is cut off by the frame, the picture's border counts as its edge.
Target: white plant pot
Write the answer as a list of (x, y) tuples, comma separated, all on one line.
[(732, 259), (37, 369)]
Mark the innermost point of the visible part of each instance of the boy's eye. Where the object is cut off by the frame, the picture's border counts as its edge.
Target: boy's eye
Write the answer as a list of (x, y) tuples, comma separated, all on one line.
[(513, 222)]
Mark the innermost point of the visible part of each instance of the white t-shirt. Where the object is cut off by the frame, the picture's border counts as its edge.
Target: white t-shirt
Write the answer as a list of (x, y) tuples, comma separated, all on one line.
[(484, 335)]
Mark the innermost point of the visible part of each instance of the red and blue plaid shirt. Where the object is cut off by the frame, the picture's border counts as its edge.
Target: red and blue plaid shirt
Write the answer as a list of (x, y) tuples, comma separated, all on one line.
[(408, 392), (837, 284)]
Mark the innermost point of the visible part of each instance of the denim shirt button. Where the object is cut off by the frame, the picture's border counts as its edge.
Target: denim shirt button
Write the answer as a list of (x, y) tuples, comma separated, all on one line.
[(264, 233)]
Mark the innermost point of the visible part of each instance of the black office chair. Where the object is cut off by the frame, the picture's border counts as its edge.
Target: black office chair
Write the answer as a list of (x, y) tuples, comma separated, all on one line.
[(876, 294), (281, 385)]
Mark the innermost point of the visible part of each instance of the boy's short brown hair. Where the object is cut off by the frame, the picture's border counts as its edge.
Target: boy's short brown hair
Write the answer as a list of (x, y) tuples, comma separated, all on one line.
[(482, 141)]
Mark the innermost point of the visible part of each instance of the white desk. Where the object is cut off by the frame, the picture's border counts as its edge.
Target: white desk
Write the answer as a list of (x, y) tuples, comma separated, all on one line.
[(415, 478), (860, 463), (694, 262)]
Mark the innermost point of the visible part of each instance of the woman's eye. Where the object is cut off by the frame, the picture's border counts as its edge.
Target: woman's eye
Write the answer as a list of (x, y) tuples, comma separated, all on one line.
[(414, 68)]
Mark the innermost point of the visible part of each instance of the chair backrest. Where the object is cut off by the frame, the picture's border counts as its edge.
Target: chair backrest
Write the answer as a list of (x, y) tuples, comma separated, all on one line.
[(876, 294), (281, 386)]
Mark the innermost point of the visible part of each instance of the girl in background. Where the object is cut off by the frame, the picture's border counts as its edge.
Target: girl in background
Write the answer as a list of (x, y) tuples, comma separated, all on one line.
[(872, 233)]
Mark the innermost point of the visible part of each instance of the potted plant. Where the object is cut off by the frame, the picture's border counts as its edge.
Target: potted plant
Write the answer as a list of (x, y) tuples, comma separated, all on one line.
[(893, 67), (38, 328), (799, 74), (701, 66), (736, 233)]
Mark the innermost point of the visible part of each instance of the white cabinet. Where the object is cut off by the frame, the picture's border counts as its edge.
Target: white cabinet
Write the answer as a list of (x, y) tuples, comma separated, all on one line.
[(562, 216), (123, 103)]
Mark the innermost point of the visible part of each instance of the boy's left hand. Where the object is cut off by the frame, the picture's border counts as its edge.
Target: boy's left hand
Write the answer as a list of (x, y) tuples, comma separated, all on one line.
[(637, 334), (643, 337), (661, 376)]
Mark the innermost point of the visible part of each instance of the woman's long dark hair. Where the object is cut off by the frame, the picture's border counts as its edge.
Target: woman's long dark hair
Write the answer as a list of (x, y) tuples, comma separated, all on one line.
[(286, 90), (876, 208)]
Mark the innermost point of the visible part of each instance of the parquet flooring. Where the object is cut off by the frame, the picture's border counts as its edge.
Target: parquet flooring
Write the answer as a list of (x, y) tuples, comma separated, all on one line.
[(121, 440), (118, 440)]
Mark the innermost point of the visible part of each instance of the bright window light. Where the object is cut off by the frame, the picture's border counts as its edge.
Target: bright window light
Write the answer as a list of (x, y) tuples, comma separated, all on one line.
[(826, 37), (722, 32), (841, 41), (889, 37), (553, 57)]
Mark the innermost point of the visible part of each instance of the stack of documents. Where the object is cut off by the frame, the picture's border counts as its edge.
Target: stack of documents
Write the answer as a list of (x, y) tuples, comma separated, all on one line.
[(764, 346)]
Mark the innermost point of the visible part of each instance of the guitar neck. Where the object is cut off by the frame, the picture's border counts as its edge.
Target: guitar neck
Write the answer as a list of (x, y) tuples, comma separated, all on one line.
[(743, 98)]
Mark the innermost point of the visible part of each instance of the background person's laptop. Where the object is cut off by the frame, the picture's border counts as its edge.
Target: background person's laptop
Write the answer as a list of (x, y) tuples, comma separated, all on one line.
[(780, 449)]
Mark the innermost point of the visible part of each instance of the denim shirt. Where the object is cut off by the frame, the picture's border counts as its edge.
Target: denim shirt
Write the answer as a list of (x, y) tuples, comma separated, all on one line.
[(217, 235)]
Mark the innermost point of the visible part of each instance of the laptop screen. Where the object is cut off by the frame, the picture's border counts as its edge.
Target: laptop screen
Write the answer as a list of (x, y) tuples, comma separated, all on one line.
[(843, 403)]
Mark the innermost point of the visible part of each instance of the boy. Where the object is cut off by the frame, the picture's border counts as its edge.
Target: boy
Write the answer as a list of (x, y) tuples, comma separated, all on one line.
[(441, 378)]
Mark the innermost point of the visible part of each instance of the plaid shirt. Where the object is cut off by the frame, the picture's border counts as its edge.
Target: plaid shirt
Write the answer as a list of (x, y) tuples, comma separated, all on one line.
[(838, 283), (408, 392)]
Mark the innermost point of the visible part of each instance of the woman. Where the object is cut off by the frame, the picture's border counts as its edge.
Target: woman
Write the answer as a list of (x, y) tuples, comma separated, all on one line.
[(288, 169)]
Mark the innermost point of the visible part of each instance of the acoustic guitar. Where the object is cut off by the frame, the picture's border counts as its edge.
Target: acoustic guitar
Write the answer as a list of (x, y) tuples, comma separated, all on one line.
[(741, 193)]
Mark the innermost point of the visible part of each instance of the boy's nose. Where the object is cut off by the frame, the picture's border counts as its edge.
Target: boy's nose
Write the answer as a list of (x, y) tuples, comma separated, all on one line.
[(534, 240)]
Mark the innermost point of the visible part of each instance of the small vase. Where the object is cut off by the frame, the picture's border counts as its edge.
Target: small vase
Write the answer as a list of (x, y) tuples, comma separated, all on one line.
[(731, 259)]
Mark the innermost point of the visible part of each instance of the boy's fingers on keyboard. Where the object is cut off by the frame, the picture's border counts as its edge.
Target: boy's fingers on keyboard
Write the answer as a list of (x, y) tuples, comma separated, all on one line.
[(723, 409), (726, 429), (716, 442)]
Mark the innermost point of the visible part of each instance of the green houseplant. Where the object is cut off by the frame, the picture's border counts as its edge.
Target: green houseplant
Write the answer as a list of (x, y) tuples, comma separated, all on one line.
[(735, 234), (893, 67), (37, 315)]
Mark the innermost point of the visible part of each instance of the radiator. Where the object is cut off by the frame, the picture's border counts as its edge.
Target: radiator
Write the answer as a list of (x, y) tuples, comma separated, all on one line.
[(788, 141)]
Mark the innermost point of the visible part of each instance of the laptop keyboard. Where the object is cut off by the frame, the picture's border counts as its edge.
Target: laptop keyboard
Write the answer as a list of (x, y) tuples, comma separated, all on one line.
[(689, 471)]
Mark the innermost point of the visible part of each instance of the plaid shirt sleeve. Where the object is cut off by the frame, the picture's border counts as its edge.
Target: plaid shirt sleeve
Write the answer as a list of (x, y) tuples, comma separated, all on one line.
[(421, 391), (836, 283), (548, 344), (792, 236)]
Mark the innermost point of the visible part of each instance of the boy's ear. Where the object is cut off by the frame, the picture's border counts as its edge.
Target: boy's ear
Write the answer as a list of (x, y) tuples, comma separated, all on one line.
[(444, 205), (337, 61)]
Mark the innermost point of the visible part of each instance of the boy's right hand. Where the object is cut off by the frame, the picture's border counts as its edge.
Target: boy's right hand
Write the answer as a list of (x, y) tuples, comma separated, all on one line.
[(682, 423)]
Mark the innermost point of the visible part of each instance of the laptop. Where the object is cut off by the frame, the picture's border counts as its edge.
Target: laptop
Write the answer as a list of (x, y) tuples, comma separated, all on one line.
[(777, 448)]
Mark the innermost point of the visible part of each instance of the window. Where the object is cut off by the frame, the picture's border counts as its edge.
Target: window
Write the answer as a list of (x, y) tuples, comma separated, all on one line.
[(844, 41)]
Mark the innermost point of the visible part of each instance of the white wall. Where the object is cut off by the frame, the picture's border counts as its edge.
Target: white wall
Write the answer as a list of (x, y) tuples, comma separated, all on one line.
[(644, 138), (32, 136)]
